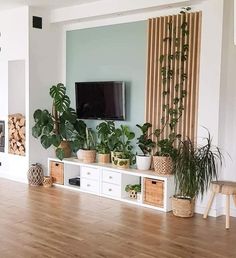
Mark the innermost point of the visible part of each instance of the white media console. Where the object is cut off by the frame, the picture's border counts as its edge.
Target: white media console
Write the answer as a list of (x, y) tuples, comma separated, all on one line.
[(108, 181)]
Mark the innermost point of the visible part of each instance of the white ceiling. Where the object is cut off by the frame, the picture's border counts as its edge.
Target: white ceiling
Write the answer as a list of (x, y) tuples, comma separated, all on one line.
[(51, 4)]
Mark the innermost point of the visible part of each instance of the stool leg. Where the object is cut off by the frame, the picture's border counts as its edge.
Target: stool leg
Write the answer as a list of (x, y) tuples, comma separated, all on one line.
[(209, 205), (234, 197), (227, 213)]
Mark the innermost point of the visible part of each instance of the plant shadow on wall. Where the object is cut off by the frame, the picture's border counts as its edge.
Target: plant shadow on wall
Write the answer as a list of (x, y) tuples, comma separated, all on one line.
[(60, 127)]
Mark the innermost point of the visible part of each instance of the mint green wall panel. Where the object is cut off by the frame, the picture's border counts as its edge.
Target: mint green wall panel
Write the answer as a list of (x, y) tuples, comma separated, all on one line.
[(116, 52)]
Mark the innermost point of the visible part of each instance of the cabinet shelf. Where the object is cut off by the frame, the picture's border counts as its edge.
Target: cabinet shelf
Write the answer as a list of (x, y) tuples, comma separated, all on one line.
[(108, 181)]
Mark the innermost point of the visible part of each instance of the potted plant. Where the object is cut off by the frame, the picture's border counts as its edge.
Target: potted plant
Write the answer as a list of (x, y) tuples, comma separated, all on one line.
[(57, 127), (104, 131), (133, 190), (126, 156), (115, 143), (146, 144), (85, 144), (194, 168)]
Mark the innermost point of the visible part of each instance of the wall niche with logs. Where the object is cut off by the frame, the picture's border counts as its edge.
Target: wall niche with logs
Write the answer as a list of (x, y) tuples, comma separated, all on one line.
[(16, 107)]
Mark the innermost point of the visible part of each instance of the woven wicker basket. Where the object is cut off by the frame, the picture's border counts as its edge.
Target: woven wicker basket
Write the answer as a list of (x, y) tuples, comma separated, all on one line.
[(163, 165), (183, 207), (104, 158), (88, 156), (47, 181)]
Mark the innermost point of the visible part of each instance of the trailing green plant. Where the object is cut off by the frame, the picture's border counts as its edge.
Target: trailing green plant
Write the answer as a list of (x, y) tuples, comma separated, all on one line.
[(57, 126), (104, 131), (145, 143), (176, 41), (195, 167), (136, 188)]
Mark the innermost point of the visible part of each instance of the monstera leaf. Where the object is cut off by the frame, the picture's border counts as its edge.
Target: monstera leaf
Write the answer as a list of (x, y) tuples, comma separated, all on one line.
[(61, 100)]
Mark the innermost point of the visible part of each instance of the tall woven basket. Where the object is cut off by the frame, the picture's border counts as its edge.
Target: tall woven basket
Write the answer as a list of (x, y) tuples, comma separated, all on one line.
[(183, 207), (163, 165)]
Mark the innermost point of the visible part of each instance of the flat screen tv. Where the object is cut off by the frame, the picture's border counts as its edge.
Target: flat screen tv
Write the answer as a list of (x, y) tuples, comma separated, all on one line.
[(100, 100)]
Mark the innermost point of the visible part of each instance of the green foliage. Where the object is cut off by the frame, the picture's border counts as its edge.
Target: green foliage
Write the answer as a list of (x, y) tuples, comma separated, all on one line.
[(145, 143), (53, 128), (195, 167), (104, 131), (172, 110), (124, 137), (136, 188)]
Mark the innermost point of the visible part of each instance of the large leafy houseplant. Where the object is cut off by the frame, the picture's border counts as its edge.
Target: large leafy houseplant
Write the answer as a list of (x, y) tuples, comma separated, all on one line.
[(57, 127), (194, 168), (146, 144)]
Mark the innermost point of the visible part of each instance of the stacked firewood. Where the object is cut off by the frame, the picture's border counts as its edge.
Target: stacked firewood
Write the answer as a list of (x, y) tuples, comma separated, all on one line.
[(16, 130)]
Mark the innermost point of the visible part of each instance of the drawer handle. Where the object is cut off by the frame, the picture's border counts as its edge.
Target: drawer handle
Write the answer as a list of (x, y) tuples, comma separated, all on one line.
[(109, 189), (154, 182), (88, 173), (88, 185), (110, 177), (56, 164)]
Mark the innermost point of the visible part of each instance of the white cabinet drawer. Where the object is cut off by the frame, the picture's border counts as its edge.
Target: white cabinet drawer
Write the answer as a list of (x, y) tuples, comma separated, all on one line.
[(111, 177), (90, 173), (111, 190), (89, 185)]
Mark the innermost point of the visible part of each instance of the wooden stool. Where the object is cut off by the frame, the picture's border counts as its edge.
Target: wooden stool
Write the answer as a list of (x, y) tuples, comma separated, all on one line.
[(224, 187)]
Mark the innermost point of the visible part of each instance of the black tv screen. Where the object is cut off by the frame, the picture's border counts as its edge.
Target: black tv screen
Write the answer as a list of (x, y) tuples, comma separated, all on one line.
[(100, 100)]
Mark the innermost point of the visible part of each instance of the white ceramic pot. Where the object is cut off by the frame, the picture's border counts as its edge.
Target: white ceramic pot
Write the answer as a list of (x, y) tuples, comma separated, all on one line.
[(143, 162)]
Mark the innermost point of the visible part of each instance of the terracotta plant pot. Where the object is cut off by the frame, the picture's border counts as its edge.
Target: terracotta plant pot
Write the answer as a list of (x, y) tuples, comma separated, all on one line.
[(183, 207), (65, 145), (143, 162), (163, 165), (104, 158)]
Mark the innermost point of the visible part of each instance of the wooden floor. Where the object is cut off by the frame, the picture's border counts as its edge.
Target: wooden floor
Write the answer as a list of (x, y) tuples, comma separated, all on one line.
[(40, 222)]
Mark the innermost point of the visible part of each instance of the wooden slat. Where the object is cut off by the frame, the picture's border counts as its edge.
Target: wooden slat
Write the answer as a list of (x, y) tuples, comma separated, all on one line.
[(157, 30)]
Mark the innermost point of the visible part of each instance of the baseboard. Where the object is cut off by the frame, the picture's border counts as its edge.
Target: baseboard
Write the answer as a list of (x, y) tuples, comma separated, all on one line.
[(215, 212), (13, 178)]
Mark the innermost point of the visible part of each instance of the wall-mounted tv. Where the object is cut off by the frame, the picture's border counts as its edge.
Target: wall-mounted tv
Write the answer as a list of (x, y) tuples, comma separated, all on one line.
[(100, 100)]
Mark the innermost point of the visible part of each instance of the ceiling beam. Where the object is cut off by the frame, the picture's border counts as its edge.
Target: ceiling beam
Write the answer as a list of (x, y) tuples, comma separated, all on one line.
[(108, 7)]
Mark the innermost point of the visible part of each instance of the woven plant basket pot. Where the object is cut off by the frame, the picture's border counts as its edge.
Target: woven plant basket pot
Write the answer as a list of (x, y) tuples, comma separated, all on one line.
[(66, 147), (123, 163), (103, 158), (88, 156), (35, 175), (183, 208), (47, 181), (163, 165)]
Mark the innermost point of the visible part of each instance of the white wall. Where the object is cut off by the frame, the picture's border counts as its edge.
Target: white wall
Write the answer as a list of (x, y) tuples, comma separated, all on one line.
[(45, 53), (14, 44), (227, 125)]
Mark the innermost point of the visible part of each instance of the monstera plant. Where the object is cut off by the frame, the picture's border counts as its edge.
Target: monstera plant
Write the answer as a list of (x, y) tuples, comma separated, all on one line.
[(56, 128)]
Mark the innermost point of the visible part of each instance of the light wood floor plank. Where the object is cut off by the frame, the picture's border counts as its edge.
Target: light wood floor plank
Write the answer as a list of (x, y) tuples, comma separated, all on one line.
[(54, 222)]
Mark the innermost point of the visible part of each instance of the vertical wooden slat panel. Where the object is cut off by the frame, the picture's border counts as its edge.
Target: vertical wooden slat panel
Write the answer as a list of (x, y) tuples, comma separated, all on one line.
[(157, 31)]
